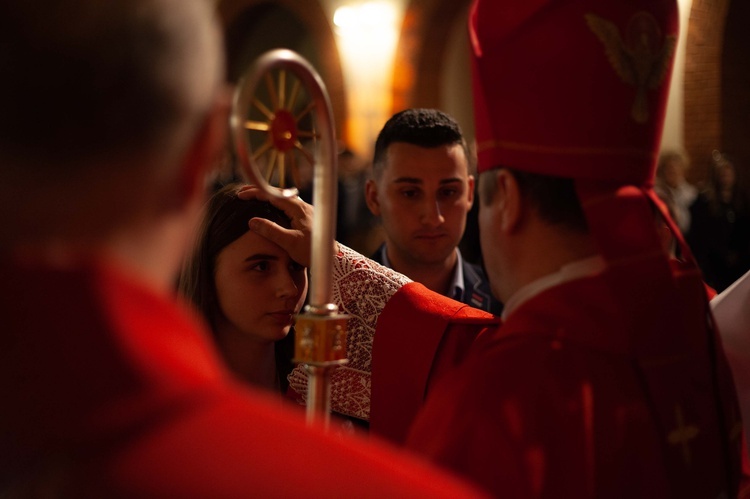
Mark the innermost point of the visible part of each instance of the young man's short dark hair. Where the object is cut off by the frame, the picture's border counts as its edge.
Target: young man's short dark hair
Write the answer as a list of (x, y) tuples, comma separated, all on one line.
[(420, 127)]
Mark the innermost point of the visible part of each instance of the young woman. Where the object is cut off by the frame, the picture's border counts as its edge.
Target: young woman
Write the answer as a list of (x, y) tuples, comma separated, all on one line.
[(246, 287)]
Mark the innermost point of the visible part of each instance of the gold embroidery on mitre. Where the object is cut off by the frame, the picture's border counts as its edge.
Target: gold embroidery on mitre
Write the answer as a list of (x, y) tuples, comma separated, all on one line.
[(682, 434), (637, 60)]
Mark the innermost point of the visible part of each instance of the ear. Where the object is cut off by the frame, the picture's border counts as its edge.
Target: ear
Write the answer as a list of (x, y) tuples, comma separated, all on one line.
[(371, 197), (510, 201), (470, 186)]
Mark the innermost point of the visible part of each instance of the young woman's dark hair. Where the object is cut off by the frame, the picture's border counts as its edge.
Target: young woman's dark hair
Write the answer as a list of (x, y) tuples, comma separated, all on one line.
[(225, 220)]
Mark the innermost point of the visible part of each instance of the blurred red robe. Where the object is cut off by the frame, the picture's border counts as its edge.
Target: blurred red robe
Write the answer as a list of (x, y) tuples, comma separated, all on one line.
[(562, 400), (110, 390)]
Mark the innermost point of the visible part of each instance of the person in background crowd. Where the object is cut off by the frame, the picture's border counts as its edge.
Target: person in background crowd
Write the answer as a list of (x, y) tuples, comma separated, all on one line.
[(674, 189), (720, 229), (357, 223)]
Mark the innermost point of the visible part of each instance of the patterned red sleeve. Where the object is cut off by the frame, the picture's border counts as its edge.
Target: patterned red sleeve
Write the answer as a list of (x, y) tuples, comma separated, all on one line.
[(361, 289)]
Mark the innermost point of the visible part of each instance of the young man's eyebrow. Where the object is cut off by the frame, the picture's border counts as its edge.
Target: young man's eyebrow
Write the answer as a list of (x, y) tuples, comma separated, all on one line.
[(451, 180), (412, 180), (407, 180)]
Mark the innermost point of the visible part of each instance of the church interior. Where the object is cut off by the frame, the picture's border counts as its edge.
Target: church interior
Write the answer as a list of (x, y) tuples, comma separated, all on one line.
[(377, 57)]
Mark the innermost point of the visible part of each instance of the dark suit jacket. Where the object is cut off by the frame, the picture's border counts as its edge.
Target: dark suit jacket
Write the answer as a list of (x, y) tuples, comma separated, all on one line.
[(476, 286)]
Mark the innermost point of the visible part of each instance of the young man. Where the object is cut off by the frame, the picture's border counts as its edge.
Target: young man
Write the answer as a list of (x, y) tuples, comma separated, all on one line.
[(112, 114), (606, 378), (422, 190)]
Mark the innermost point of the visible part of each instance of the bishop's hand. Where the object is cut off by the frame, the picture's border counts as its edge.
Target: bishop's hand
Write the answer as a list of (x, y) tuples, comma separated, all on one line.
[(296, 240)]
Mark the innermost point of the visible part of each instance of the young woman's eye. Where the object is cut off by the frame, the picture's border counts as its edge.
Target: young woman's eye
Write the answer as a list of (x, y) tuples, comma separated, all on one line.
[(262, 266), (296, 267)]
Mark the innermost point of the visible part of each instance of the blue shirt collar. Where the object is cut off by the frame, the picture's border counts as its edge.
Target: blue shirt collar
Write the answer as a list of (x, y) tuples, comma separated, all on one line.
[(457, 282)]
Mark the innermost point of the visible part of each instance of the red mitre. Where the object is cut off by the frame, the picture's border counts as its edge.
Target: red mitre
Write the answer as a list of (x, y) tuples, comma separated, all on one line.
[(572, 88), (578, 89)]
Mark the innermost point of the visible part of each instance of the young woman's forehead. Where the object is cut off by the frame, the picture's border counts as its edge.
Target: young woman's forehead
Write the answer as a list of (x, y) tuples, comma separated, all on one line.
[(250, 244)]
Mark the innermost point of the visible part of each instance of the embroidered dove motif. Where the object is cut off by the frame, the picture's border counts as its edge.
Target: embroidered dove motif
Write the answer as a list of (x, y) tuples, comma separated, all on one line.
[(637, 60)]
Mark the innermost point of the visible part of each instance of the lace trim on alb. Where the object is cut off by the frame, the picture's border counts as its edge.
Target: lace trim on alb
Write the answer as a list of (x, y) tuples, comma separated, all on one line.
[(361, 289)]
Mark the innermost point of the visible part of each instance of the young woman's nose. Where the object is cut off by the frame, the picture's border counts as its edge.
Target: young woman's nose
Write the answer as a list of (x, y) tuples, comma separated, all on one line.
[(286, 285)]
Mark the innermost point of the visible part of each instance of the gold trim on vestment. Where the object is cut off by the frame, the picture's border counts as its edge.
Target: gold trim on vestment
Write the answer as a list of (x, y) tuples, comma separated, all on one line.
[(587, 151)]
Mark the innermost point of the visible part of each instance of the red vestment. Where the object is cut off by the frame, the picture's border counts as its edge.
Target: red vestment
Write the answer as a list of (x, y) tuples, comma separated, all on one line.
[(561, 401), (110, 390), (601, 383), (425, 334)]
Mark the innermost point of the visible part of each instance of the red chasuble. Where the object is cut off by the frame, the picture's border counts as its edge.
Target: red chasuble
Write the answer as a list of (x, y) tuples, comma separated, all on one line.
[(557, 402), (612, 384), (420, 335), (109, 390)]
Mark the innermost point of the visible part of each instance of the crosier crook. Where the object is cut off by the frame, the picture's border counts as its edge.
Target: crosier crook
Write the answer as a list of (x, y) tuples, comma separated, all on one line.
[(320, 343)]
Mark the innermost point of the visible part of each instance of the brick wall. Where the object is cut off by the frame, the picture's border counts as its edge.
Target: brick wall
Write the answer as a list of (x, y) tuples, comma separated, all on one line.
[(703, 119)]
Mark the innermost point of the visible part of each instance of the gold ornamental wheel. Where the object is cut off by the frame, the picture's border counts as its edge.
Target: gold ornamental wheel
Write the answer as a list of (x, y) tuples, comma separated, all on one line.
[(281, 130), (280, 121)]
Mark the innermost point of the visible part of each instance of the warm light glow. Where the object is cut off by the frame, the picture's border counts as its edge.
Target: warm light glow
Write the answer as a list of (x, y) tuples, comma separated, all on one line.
[(367, 34), (365, 19), (673, 137)]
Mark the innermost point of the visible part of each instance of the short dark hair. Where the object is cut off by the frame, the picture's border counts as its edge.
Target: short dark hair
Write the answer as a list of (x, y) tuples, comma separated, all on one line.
[(420, 127), (554, 198)]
